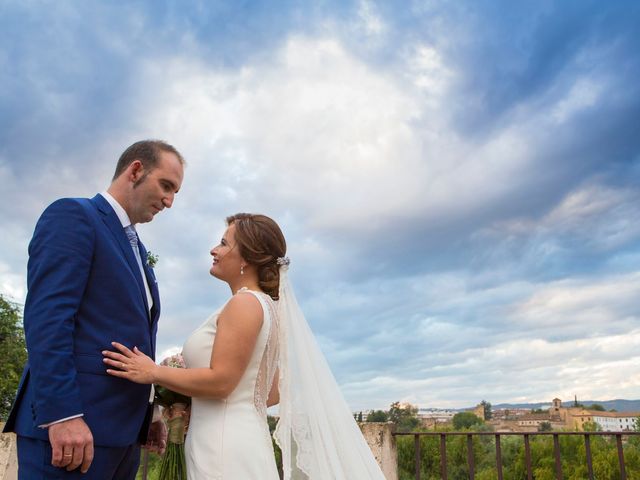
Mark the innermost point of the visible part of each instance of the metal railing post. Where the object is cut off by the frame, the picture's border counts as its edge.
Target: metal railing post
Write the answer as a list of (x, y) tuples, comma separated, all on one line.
[(416, 441), (145, 463), (556, 454), (623, 473), (498, 457), (587, 449), (443, 456), (470, 456), (527, 457)]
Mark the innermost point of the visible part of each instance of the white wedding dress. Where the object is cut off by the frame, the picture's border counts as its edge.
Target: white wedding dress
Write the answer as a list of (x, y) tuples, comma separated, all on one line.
[(229, 439)]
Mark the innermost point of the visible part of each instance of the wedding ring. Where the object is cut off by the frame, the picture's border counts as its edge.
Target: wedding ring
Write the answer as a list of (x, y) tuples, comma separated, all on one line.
[(68, 455)]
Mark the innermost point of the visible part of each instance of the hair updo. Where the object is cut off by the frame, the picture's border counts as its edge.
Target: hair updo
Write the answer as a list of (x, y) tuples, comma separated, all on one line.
[(261, 243)]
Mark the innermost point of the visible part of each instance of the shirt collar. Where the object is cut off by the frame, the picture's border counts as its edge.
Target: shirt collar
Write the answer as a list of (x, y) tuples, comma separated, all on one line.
[(120, 212)]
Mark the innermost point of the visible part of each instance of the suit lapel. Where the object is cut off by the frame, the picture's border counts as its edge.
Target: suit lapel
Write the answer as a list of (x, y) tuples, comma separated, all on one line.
[(152, 282), (111, 220), (154, 313)]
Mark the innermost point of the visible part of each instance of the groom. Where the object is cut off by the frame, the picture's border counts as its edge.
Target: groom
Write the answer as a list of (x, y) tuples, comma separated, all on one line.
[(89, 282)]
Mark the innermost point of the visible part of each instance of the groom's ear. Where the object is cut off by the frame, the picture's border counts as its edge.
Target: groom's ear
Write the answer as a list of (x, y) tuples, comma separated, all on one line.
[(135, 171)]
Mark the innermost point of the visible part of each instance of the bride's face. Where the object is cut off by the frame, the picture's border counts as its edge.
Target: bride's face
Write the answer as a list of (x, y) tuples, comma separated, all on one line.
[(227, 261)]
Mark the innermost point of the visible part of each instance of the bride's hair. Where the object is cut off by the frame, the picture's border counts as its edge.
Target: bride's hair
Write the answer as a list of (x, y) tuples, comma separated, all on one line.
[(261, 243)]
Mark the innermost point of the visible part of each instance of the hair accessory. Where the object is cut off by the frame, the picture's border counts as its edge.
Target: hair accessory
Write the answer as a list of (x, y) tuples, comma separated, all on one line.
[(283, 261)]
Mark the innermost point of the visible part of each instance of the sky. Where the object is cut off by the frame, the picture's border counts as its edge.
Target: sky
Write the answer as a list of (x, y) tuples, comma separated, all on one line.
[(458, 182)]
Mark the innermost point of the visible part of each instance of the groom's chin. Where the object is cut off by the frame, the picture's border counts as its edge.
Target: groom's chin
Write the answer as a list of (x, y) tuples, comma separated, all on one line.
[(146, 218)]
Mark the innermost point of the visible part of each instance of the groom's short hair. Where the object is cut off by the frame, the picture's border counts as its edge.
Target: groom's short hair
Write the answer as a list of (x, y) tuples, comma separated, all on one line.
[(148, 152)]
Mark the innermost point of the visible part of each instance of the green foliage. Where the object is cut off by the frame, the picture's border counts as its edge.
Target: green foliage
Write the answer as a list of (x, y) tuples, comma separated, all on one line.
[(487, 409), (597, 407), (464, 420), (405, 417), (591, 427), (13, 352), (273, 422), (573, 457), (545, 427), (377, 416), (153, 466)]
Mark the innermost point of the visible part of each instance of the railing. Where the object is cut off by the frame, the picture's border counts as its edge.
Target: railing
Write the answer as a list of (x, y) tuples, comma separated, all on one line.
[(527, 450)]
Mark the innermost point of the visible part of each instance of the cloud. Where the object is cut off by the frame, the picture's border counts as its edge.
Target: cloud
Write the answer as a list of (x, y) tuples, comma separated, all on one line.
[(457, 182), (369, 19), (449, 338)]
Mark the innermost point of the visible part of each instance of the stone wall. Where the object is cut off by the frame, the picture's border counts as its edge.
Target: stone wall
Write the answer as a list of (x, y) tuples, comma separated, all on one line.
[(8, 458), (379, 437)]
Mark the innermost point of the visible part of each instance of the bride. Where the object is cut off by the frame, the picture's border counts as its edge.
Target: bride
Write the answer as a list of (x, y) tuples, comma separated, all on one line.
[(256, 351)]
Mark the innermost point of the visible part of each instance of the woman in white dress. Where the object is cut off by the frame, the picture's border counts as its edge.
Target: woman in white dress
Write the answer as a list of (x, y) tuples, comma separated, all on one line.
[(255, 351)]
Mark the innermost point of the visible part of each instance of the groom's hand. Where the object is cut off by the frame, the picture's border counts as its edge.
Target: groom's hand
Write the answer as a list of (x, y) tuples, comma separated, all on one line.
[(71, 444)]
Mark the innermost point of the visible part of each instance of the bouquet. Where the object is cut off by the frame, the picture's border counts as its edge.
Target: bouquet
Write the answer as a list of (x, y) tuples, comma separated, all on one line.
[(173, 466)]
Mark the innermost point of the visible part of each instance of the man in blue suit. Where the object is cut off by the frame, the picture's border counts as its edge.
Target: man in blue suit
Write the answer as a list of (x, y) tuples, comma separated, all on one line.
[(89, 281)]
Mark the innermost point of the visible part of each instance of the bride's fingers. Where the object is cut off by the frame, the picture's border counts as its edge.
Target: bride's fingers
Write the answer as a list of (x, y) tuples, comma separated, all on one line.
[(114, 355), (117, 373), (114, 363), (123, 349), (138, 353)]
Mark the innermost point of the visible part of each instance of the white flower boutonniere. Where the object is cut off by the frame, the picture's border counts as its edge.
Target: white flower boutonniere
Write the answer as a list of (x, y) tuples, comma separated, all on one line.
[(152, 259)]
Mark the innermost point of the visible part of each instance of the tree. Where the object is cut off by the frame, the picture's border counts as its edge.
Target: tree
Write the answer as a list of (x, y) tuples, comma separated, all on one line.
[(591, 427), (597, 407), (377, 416), (13, 352), (545, 427), (462, 420), (404, 416), (487, 409), (359, 419)]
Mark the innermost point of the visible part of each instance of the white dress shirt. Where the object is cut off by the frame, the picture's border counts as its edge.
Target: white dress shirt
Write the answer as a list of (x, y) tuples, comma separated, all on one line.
[(124, 220)]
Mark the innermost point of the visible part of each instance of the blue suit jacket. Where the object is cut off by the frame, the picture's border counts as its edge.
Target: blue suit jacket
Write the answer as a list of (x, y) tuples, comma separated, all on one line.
[(84, 291)]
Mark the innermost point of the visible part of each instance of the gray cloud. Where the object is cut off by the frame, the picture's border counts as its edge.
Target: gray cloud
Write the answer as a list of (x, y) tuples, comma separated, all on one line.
[(458, 188)]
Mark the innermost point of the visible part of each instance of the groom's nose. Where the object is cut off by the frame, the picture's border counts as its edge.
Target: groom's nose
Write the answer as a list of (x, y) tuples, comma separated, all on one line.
[(168, 200)]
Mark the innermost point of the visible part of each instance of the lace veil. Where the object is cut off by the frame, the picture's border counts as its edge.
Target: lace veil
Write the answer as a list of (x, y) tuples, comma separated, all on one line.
[(317, 433)]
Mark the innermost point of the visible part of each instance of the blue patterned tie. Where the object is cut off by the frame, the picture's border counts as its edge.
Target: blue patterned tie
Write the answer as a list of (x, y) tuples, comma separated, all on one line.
[(132, 236), (133, 240)]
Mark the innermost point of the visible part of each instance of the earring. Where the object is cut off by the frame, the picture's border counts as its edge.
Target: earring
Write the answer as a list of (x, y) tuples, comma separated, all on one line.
[(241, 269)]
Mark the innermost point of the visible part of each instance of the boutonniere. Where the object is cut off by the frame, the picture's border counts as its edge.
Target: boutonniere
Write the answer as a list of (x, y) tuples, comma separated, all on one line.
[(152, 259)]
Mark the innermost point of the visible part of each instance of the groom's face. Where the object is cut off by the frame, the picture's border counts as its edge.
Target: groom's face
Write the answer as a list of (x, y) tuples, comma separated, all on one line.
[(155, 189)]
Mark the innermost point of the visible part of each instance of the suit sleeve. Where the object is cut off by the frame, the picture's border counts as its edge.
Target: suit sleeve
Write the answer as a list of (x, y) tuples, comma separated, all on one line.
[(60, 256)]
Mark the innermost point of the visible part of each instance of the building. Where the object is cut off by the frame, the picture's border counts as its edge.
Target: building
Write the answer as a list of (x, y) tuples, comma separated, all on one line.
[(567, 418), (616, 421), (430, 417)]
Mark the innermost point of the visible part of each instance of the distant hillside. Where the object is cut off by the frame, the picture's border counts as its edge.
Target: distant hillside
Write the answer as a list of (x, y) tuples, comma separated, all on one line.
[(619, 405)]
